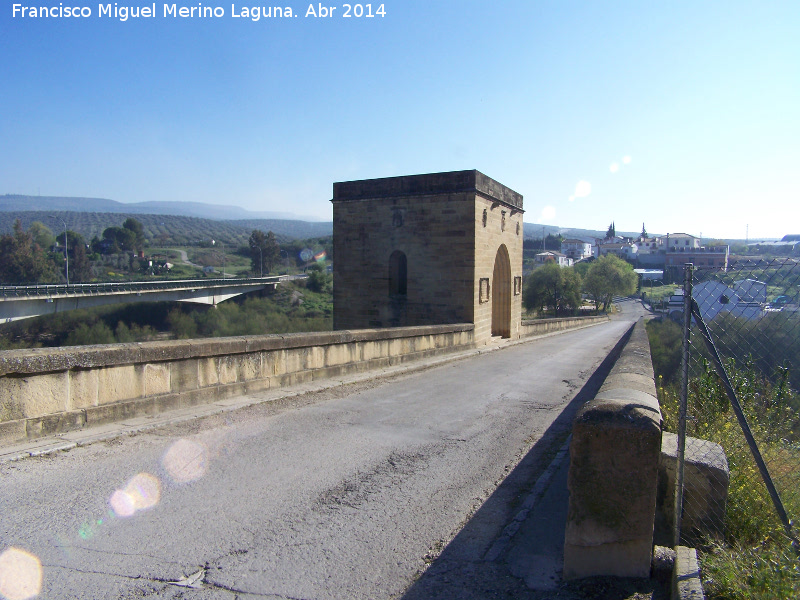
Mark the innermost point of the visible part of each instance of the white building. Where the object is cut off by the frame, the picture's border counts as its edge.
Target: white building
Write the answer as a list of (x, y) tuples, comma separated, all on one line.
[(652, 245), (576, 249), (552, 256), (625, 250), (681, 241)]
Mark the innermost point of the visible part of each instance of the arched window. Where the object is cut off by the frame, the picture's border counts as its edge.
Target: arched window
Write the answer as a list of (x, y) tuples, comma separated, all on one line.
[(398, 274)]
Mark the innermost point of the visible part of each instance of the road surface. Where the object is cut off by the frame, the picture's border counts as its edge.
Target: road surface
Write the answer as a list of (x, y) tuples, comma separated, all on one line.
[(348, 493)]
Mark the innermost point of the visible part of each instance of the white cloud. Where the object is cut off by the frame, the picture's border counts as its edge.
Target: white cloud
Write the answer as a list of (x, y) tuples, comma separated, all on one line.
[(582, 189)]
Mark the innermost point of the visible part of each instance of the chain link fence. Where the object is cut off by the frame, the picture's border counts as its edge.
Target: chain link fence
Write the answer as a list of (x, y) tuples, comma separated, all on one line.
[(738, 462)]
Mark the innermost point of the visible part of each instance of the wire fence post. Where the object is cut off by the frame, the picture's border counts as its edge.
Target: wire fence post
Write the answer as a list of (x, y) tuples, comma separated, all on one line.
[(687, 322)]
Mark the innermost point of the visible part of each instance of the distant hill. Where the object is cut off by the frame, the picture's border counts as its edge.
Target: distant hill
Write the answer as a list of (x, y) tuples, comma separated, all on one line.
[(288, 228), (167, 229), (15, 203), (534, 230)]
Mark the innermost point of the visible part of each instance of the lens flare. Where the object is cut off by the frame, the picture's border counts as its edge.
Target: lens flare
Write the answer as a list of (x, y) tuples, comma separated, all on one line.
[(614, 167), (185, 461), (582, 189), (20, 575), (548, 214), (141, 493), (626, 160), (320, 256)]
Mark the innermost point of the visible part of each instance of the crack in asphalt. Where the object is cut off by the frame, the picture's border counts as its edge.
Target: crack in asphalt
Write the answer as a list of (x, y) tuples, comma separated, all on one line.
[(115, 553)]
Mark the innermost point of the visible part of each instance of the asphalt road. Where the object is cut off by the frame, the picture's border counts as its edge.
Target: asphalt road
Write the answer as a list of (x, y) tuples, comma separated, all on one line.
[(347, 493)]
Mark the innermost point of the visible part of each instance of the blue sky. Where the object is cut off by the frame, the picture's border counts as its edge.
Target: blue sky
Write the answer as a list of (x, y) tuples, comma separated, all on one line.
[(697, 104)]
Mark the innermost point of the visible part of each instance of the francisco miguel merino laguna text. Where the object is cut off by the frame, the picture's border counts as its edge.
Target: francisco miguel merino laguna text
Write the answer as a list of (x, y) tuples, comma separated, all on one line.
[(254, 13)]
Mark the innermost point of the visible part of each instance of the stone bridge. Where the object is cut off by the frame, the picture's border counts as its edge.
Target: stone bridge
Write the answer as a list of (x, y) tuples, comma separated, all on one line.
[(425, 266)]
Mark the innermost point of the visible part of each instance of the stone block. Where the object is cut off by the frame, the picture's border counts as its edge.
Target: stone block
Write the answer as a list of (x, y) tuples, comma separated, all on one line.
[(119, 411), (686, 582), (341, 354), (296, 360), (56, 423), (120, 383), (34, 395), (12, 431), (632, 381), (274, 363), (184, 375), (395, 348), (315, 358), (622, 559), (705, 482), (228, 369), (207, 372), (156, 379), (249, 366), (84, 388)]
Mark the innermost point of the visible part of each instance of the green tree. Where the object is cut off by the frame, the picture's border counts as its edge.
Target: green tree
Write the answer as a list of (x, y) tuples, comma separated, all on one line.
[(181, 324), (318, 280), (264, 251), (643, 235), (85, 334), (80, 268), (554, 287), (118, 239), (612, 231), (553, 242), (22, 260), (137, 229), (42, 235), (609, 276)]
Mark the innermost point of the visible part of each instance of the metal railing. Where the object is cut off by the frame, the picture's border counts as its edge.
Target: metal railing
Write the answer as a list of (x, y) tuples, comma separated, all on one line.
[(88, 289)]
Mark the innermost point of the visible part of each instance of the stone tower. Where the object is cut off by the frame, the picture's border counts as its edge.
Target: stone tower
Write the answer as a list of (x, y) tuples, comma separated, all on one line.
[(428, 250)]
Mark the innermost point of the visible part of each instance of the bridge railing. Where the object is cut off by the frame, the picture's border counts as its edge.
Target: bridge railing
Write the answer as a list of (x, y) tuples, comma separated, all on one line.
[(16, 291)]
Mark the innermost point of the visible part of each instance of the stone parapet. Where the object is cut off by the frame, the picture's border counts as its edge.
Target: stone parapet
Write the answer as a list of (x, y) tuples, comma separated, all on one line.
[(46, 391), (427, 185), (542, 326), (613, 475)]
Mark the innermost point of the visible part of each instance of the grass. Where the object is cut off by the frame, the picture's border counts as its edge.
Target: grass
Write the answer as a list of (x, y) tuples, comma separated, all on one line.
[(659, 293), (756, 559)]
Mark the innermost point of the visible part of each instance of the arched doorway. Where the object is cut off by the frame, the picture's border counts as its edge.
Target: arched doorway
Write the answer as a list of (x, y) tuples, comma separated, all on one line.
[(398, 274), (398, 289), (501, 294)]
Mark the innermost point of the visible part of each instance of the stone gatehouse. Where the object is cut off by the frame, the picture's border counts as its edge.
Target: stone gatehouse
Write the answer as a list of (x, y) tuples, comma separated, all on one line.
[(428, 249)]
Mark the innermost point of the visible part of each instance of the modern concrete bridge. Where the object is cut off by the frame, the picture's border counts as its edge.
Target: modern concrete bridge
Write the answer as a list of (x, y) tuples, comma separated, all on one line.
[(25, 301)]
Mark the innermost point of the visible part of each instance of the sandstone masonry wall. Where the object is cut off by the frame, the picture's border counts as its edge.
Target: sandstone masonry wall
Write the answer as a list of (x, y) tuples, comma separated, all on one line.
[(45, 391), (451, 228)]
